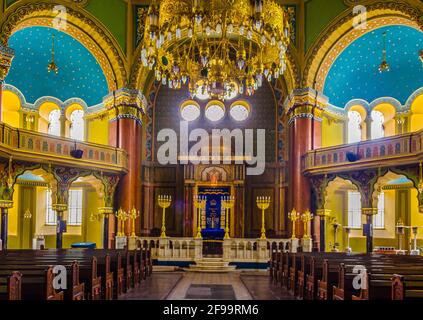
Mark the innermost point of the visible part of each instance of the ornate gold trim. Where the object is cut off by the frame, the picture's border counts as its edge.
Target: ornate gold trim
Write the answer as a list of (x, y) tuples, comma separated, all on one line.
[(369, 211), (6, 204), (323, 213)]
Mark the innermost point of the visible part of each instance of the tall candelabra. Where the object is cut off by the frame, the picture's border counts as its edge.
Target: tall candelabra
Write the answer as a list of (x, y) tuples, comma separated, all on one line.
[(122, 216), (228, 204), (306, 217), (164, 203), (133, 214), (200, 205), (294, 216), (263, 204)]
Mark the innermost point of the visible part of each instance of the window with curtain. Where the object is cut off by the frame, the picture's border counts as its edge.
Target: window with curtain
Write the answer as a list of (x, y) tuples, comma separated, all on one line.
[(54, 123), (354, 209), (74, 208), (50, 213), (377, 125), (379, 219), (77, 126), (354, 127)]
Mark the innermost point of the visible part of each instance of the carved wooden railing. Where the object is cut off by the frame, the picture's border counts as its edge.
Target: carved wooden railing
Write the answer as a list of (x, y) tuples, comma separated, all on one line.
[(395, 150), (29, 145)]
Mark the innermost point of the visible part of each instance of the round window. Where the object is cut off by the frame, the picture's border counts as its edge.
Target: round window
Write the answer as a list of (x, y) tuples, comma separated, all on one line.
[(190, 112), (215, 112), (239, 112)]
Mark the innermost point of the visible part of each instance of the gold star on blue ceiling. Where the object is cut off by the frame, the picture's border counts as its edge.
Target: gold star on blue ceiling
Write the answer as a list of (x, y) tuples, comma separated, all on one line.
[(80, 75), (355, 74)]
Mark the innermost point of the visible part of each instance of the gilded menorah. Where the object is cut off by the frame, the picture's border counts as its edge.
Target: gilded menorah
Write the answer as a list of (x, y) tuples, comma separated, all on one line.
[(133, 214), (200, 205), (227, 204), (164, 203), (263, 204), (122, 216), (294, 216), (306, 217)]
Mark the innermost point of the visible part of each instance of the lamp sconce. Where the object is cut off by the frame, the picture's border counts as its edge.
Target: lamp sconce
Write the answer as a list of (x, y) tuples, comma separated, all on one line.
[(96, 217), (27, 214)]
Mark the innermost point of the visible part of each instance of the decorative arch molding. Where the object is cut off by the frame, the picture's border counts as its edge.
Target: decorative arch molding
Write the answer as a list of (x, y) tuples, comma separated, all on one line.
[(387, 100), (80, 25), (357, 102), (59, 103), (337, 36), (413, 97), (19, 94)]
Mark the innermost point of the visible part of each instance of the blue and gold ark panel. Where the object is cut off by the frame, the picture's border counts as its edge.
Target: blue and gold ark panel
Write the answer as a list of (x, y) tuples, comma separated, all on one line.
[(213, 221)]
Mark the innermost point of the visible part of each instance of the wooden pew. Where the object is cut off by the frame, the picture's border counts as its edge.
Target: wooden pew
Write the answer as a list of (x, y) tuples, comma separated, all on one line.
[(10, 286)]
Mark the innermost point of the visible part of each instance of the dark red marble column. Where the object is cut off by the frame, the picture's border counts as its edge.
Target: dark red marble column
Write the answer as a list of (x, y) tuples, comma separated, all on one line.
[(305, 131), (125, 132)]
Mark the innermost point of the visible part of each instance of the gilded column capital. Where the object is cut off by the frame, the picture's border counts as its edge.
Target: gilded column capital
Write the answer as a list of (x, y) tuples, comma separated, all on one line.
[(6, 57), (369, 211), (6, 204), (59, 207), (305, 103), (126, 103)]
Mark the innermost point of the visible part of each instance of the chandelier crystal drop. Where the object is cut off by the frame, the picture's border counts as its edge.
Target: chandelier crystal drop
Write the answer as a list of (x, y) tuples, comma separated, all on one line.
[(219, 48)]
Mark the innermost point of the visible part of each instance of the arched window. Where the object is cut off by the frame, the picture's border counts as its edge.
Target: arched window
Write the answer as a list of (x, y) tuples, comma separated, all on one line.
[(379, 218), (354, 126), (354, 209), (378, 120), (54, 123), (77, 125)]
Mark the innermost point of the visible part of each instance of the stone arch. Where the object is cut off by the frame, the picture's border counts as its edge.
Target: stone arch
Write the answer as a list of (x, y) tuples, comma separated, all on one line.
[(338, 35), (81, 26)]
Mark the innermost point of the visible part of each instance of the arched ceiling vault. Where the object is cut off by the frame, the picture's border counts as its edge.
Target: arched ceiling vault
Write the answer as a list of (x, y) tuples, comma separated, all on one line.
[(337, 36), (80, 25)]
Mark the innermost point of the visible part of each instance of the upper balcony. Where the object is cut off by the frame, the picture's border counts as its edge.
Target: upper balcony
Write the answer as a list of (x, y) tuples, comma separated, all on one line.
[(394, 150), (37, 147)]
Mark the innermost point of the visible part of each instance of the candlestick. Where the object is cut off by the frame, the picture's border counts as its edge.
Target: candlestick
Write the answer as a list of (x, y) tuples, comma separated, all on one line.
[(164, 202), (227, 204), (263, 204), (294, 216), (200, 205)]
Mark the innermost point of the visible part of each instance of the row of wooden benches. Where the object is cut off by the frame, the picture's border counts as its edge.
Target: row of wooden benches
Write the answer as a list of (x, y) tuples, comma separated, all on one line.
[(90, 273), (341, 276)]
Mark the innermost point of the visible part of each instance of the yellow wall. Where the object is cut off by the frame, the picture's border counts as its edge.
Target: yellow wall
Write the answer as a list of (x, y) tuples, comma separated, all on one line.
[(13, 239), (98, 131), (332, 133), (11, 107)]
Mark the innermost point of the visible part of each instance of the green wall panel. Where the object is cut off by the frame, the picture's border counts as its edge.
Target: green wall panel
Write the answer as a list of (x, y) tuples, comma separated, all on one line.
[(112, 13), (320, 13)]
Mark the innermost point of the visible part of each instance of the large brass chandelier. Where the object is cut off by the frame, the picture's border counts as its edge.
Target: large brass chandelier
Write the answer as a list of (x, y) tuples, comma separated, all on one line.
[(219, 48)]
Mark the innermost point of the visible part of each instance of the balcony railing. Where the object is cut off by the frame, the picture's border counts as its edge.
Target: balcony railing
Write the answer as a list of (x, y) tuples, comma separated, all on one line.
[(399, 149), (38, 147)]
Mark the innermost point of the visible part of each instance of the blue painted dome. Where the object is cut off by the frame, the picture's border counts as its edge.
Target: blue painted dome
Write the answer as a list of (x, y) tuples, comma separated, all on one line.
[(80, 75), (355, 74)]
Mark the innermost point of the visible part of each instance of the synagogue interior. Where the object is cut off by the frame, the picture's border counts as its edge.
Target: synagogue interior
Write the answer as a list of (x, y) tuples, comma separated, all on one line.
[(108, 115)]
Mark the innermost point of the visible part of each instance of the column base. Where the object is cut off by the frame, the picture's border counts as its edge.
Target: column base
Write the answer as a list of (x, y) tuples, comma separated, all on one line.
[(307, 245), (121, 242)]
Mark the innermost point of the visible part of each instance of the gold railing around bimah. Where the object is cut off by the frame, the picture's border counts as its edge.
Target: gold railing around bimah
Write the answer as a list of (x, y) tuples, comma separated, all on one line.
[(394, 150), (33, 146)]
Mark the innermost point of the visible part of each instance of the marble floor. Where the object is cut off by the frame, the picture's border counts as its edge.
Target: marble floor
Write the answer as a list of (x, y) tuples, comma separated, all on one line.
[(207, 286)]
